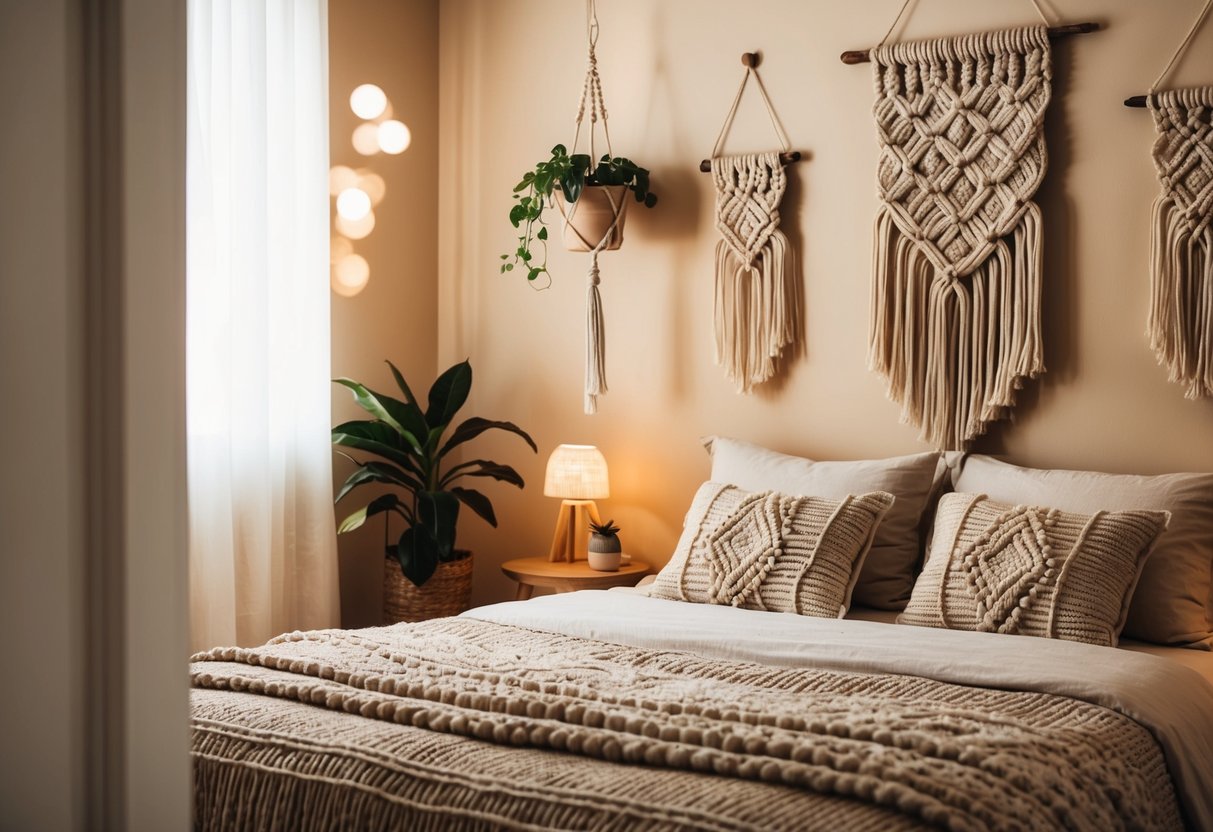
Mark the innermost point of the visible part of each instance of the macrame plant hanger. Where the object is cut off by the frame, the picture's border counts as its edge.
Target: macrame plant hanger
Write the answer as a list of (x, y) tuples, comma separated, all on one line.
[(956, 290), (1180, 325), (755, 300), (595, 332)]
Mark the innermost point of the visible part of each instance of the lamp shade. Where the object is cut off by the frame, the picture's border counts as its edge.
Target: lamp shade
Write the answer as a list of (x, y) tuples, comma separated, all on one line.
[(576, 472)]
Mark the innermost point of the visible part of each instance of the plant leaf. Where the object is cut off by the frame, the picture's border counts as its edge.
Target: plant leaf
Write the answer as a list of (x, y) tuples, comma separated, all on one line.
[(448, 394), (438, 511), (378, 472), (484, 468), (370, 402), (382, 503), (474, 426), (376, 438), (418, 555), (478, 503)]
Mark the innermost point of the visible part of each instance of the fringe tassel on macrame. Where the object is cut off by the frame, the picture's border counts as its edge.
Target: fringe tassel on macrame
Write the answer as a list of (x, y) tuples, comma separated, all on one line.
[(1180, 325), (957, 274), (595, 340), (956, 350), (755, 306)]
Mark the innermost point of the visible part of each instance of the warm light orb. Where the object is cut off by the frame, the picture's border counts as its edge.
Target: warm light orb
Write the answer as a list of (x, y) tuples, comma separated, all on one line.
[(394, 137), (355, 229), (353, 203), (339, 247), (350, 275), (368, 101), (340, 178), (373, 184), (366, 139)]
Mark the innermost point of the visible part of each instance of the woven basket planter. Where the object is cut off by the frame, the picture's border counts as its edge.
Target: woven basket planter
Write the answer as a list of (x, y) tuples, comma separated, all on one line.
[(447, 592)]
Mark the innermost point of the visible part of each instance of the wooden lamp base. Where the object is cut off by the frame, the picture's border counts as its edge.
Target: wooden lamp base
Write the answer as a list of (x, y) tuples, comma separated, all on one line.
[(572, 538)]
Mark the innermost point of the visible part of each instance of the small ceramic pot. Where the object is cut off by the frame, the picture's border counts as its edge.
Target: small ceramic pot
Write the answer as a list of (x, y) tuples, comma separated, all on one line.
[(604, 561), (589, 219)]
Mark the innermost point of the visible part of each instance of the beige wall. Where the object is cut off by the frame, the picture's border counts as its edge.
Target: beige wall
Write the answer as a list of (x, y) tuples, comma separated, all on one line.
[(394, 44), (511, 74)]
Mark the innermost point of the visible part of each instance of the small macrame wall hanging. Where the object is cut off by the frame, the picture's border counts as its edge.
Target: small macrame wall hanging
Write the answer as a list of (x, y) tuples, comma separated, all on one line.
[(957, 274), (1180, 324), (756, 299)]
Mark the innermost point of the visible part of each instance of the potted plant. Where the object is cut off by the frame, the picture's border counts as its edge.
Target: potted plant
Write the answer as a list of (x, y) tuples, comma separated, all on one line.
[(605, 549), (590, 197), (413, 460)]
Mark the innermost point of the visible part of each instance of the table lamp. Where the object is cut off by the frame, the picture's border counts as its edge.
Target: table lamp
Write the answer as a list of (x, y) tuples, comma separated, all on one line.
[(577, 474)]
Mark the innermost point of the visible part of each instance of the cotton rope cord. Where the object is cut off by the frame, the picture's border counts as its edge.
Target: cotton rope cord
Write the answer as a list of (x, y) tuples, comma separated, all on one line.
[(955, 325), (906, 4), (1180, 323), (754, 308)]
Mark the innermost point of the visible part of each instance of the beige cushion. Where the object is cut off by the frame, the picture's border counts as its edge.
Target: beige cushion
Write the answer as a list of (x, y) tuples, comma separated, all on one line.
[(771, 551), (1033, 571), (1172, 603), (888, 570)]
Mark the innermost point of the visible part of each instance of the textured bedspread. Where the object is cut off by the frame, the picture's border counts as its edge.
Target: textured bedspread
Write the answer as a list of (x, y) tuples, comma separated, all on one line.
[(461, 723)]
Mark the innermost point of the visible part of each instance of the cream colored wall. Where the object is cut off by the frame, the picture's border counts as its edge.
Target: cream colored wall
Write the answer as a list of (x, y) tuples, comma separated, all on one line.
[(511, 75), (394, 44)]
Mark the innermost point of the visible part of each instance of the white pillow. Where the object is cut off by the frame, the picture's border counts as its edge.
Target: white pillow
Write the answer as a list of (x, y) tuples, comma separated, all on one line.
[(1173, 602), (888, 571)]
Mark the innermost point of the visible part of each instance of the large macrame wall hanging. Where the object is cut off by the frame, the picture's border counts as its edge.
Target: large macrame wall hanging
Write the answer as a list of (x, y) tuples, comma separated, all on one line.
[(756, 301), (957, 275), (1181, 311)]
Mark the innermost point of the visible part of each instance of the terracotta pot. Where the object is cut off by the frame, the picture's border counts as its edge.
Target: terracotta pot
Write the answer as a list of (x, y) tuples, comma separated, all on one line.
[(589, 219), (604, 561), (447, 592)]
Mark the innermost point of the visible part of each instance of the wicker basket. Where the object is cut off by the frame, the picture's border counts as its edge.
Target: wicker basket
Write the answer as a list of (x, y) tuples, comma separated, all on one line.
[(447, 592)]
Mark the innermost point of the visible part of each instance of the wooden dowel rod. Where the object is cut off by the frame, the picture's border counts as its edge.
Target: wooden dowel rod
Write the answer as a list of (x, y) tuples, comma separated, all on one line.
[(861, 56), (1135, 101), (785, 158)]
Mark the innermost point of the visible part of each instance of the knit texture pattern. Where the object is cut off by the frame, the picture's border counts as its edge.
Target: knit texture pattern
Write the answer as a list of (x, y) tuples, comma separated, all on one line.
[(756, 300), (455, 723), (956, 284), (1032, 571), (1181, 310), (770, 551)]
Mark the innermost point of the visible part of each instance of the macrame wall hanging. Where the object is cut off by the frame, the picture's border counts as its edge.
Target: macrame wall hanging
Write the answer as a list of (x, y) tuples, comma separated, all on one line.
[(1180, 324), (756, 300), (957, 274)]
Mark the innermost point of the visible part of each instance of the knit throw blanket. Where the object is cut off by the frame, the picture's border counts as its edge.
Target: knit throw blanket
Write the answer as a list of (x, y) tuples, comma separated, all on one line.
[(788, 741), (755, 301), (956, 295), (1181, 312)]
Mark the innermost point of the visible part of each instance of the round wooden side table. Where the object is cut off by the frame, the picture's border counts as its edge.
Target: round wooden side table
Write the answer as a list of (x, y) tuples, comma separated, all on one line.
[(568, 577)]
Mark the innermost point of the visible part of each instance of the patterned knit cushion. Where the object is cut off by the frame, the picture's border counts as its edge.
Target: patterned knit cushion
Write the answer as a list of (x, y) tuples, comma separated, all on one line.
[(771, 551), (1028, 570)]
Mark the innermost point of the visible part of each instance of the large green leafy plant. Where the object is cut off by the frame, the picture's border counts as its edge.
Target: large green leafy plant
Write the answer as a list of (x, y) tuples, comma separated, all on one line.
[(571, 174), (413, 458)]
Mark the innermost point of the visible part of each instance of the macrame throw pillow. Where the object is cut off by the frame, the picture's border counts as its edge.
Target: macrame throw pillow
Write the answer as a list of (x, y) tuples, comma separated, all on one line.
[(771, 551), (957, 273), (1181, 311), (1027, 570)]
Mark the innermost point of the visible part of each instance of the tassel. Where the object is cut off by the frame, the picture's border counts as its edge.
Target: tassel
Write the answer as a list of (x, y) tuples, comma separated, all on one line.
[(595, 341), (756, 315), (1180, 325)]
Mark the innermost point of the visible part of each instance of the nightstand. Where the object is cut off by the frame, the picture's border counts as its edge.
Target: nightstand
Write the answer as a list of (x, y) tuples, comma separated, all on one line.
[(568, 577)]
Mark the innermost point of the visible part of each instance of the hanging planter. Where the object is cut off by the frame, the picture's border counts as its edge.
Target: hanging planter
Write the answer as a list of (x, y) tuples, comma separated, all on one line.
[(592, 200)]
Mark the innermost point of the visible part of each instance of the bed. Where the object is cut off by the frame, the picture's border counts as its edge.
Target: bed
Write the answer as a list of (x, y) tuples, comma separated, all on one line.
[(729, 694)]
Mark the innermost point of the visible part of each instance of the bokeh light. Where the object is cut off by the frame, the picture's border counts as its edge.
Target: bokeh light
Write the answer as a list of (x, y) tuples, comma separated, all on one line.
[(340, 178), (355, 229), (372, 184), (366, 139), (394, 137), (350, 275), (368, 101), (339, 247), (353, 204)]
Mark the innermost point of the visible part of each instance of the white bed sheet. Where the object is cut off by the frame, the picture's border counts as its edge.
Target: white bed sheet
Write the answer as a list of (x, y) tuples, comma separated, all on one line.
[(1171, 700)]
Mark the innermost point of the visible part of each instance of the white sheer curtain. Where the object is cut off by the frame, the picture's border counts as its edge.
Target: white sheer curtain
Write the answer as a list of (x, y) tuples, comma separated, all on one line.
[(263, 556)]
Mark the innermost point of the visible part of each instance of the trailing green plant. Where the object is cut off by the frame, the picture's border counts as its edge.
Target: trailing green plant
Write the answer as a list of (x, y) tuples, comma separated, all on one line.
[(413, 460), (607, 529), (571, 174)]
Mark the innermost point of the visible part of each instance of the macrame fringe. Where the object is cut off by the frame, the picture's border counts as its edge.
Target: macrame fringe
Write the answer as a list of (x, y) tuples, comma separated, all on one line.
[(755, 311), (956, 349), (1180, 325), (595, 339)]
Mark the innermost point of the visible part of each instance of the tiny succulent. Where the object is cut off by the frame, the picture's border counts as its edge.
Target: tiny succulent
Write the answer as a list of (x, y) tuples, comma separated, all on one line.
[(569, 173), (609, 529)]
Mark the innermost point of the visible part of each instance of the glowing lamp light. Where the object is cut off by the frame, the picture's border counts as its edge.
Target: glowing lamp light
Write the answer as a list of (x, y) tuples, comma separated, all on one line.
[(353, 204), (366, 139), (355, 229), (368, 101), (394, 137), (350, 275)]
